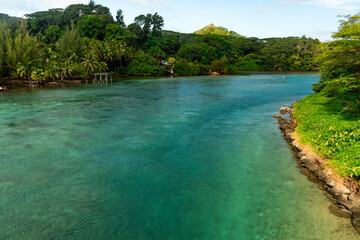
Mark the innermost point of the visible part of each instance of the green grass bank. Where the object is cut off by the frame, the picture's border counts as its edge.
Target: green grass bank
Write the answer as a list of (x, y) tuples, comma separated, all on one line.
[(332, 133)]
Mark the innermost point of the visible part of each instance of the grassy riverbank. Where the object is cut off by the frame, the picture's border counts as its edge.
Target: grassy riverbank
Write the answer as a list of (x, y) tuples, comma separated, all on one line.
[(332, 133)]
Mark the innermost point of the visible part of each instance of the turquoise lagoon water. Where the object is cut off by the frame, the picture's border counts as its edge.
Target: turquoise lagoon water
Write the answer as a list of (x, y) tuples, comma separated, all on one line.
[(184, 158)]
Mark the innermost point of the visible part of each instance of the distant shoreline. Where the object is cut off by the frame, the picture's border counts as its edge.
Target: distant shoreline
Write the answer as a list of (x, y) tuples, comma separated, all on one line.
[(13, 83)]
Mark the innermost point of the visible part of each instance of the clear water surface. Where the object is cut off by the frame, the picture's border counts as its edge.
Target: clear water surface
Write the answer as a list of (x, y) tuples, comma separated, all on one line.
[(183, 158)]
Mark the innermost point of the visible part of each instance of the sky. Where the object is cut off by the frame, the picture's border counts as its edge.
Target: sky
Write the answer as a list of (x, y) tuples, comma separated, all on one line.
[(250, 18)]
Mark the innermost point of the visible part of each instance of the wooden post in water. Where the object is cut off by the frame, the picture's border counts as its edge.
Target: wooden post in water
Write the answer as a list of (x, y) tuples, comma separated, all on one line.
[(107, 76)]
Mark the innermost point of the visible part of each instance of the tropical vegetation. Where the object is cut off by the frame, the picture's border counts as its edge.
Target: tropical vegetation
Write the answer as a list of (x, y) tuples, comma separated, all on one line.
[(330, 119), (85, 38)]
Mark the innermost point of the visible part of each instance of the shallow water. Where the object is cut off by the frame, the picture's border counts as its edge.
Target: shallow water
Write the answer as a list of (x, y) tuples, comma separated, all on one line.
[(183, 158)]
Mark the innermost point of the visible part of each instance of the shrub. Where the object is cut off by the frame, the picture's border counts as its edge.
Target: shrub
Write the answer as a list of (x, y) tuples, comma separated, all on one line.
[(121, 70), (220, 66), (333, 134), (144, 65), (249, 63), (346, 90), (186, 69)]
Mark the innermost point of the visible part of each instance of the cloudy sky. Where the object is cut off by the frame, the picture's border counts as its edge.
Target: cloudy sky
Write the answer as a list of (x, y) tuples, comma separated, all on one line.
[(255, 18)]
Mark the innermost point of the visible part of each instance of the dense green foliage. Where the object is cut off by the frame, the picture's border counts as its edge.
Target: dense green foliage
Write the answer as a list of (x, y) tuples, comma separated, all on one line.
[(93, 26), (12, 22), (191, 69), (4, 35), (333, 134), (20, 50), (144, 65), (330, 119), (84, 38), (341, 66)]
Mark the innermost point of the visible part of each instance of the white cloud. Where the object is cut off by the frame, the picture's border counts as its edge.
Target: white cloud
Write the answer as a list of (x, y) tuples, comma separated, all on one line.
[(19, 7), (147, 2), (323, 35), (62, 3), (335, 4)]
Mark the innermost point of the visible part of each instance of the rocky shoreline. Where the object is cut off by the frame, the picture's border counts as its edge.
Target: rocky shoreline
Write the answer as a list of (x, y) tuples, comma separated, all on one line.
[(343, 193), (76, 80), (14, 83)]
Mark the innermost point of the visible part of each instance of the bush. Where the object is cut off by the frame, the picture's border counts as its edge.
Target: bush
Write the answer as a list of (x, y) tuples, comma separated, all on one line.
[(186, 69), (191, 69), (249, 63), (220, 66), (200, 52), (232, 69), (333, 134), (79, 70), (121, 70), (346, 90), (203, 69), (352, 107), (144, 65), (332, 88)]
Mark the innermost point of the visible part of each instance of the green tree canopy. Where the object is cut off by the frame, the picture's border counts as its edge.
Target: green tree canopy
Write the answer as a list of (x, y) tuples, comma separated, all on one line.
[(341, 56), (70, 43), (40, 21), (52, 34), (4, 38), (145, 65), (150, 25), (158, 24), (20, 49), (201, 52), (340, 60), (75, 11), (120, 18), (93, 26)]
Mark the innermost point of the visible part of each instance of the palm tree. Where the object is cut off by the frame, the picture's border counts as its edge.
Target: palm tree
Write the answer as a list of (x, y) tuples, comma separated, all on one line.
[(24, 69), (106, 52), (119, 52), (66, 69), (89, 62), (47, 56), (158, 53), (103, 67), (50, 60), (52, 71), (129, 54), (38, 75), (67, 66)]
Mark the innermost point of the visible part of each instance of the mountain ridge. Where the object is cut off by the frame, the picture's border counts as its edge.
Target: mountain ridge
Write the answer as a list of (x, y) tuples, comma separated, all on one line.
[(212, 29)]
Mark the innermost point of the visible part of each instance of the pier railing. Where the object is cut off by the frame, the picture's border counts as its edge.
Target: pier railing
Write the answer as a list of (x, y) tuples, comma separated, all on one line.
[(102, 77)]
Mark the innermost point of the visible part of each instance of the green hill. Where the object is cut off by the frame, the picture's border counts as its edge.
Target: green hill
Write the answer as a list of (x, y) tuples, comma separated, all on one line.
[(211, 29), (12, 22)]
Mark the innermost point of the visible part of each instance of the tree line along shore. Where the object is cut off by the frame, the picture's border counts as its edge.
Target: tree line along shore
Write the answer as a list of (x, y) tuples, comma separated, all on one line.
[(82, 39)]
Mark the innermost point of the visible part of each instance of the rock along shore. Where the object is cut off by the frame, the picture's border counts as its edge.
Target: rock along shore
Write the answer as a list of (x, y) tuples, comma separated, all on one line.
[(14, 83), (343, 193)]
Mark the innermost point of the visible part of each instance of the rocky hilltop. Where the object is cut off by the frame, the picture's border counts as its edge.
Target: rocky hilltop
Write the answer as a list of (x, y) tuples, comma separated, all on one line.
[(212, 29)]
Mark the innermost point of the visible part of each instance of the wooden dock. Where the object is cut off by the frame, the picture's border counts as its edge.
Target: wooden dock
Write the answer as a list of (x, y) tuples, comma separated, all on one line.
[(103, 77)]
